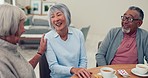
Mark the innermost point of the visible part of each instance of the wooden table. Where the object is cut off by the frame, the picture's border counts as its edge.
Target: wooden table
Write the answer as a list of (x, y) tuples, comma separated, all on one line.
[(126, 67)]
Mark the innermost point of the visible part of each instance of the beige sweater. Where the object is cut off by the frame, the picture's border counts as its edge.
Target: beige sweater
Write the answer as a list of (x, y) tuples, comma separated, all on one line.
[(12, 63)]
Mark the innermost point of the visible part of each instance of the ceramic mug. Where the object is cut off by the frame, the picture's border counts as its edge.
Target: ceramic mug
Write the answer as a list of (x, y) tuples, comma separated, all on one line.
[(141, 68), (107, 72)]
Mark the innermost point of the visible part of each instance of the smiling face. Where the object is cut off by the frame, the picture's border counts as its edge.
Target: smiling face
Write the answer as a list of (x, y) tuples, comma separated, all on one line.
[(58, 20), (130, 21)]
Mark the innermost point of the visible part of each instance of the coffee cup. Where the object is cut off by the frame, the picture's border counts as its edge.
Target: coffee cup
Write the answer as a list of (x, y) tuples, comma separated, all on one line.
[(142, 68), (107, 72)]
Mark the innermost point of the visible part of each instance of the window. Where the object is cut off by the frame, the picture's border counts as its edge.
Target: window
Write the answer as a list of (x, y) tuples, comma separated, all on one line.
[(1, 1), (10, 1)]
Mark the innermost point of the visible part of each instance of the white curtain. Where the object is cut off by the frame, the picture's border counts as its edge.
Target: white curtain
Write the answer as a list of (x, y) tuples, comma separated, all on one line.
[(13, 2), (1, 1)]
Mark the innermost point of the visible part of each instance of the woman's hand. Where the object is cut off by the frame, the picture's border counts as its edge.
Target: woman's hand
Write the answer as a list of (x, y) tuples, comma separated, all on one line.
[(81, 72), (42, 47), (41, 51)]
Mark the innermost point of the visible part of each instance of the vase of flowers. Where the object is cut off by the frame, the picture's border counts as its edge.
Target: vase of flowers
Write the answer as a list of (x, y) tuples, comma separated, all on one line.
[(28, 8)]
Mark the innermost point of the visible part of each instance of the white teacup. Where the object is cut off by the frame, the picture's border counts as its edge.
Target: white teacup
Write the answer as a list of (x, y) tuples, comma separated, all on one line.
[(107, 72), (142, 68)]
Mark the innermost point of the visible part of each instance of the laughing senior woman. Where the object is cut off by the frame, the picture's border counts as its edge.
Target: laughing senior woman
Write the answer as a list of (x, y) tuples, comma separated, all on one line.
[(66, 53), (12, 63)]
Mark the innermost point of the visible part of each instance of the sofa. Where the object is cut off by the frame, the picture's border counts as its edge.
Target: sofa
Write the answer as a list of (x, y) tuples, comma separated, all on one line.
[(34, 25)]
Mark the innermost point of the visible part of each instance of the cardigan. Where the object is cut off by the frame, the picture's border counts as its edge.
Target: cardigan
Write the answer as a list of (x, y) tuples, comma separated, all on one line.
[(12, 63), (109, 46)]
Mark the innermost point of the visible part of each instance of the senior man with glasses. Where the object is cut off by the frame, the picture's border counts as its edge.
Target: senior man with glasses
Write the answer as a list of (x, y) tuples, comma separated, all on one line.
[(127, 44)]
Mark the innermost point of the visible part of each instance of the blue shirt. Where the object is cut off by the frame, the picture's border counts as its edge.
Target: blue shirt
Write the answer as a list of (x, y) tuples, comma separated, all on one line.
[(63, 55)]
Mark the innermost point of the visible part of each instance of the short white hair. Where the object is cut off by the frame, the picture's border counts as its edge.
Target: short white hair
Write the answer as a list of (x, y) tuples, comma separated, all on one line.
[(10, 17), (59, 7)]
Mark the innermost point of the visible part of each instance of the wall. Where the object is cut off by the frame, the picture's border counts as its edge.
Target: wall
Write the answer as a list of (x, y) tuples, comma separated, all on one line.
[(22, 3), (100, 14)]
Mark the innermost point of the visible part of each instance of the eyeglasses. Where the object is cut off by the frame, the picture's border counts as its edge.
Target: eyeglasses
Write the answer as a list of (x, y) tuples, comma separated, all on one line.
[(123, 18)]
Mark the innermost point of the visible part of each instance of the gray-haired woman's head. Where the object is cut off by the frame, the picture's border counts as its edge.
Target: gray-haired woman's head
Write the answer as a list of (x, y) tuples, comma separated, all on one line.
[(10, 17), (60, 7)]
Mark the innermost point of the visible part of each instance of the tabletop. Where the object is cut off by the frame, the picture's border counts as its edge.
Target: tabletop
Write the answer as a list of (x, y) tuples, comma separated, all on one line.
[(126, 67)]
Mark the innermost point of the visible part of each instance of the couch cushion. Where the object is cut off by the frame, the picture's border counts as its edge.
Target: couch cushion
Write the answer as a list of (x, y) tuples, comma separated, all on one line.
[(28, 21), (40, 22), (37, 30)]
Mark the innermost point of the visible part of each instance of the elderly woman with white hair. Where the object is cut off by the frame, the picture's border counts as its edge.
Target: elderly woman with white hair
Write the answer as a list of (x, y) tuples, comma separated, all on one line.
[(12, 63), (66, 54)]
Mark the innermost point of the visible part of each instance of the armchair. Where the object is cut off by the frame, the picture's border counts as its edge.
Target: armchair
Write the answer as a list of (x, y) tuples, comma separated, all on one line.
[(99, 43), (44, 68), (85, 31)]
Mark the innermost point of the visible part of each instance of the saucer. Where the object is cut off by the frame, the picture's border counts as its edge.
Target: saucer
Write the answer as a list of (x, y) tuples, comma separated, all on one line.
[(113, 77), (134, 71)]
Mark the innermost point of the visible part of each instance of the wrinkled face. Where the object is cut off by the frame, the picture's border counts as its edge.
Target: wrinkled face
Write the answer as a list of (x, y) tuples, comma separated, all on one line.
[(58, 20), (21, 28), (16, 37), (20, 31), (130, 21)]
